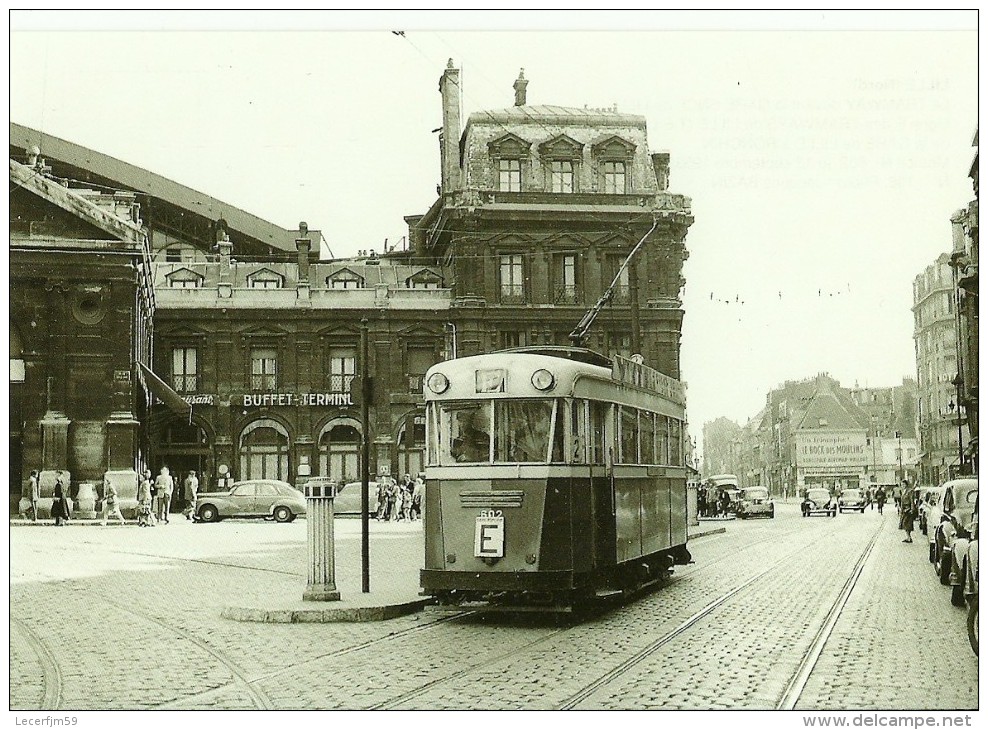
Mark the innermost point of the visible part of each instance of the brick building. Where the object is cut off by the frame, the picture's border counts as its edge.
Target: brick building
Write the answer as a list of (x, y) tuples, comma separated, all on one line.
[(538, 208)]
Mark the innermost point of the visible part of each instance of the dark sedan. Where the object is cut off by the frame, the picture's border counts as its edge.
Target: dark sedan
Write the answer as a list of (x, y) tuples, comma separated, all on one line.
[(267, 498)]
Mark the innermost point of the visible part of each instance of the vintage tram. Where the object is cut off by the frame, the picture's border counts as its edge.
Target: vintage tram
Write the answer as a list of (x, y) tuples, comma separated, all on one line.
[(554, 477)]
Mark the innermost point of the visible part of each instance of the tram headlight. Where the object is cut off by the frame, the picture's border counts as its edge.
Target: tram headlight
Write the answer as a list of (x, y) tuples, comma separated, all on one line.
[(438, 383), (542, 379)]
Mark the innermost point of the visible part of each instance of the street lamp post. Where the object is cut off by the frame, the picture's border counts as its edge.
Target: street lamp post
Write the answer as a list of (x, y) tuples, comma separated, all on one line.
[(958, 383), (898, 443)]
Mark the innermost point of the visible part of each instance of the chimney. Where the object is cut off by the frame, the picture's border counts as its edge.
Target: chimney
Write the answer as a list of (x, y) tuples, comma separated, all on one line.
[(449, 141), (660, 163), (33, 152), (304, 246), (416, 235), (520, 84)]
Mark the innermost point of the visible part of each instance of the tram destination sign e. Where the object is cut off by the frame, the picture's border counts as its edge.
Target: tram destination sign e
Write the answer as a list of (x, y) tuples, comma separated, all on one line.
[(629, 371)]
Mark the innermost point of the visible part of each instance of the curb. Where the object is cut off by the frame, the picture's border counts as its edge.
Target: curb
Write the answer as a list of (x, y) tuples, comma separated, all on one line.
[(714, 531), (353, 614)]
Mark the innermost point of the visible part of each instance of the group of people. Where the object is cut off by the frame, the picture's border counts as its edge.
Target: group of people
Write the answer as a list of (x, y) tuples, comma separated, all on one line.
[(400, 501), (154, 498), (713, 501)]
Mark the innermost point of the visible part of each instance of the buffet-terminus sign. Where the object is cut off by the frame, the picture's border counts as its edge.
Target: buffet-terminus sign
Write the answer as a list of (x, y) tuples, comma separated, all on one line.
[(832, 449), (294, 399)]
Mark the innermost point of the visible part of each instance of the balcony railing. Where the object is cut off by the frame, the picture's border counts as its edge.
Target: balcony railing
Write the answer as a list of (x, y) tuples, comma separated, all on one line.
[(263, 382), (565, 295), (185, 383), (512, 294), (340, 383)]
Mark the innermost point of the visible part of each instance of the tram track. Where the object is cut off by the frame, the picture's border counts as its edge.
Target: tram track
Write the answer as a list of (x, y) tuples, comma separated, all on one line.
[(51, 675), (799, 679), (802, 675), (396, 702)]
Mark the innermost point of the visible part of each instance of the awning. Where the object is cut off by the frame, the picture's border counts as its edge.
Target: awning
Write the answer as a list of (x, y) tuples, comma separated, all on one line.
[(164, 393)]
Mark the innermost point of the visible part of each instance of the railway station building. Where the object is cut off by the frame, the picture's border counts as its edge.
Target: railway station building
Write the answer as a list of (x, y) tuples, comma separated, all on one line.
[(257, 328)]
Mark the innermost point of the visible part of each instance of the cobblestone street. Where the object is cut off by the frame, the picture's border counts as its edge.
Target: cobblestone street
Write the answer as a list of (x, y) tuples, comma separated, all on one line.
[(730, 631)]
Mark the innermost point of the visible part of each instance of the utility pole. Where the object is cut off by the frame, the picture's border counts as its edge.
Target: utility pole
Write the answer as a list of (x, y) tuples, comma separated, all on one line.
[(365, 396)]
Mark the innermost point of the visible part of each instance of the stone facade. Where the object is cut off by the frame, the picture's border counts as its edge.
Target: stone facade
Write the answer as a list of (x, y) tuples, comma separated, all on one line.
[(80, 320), (935, 337)]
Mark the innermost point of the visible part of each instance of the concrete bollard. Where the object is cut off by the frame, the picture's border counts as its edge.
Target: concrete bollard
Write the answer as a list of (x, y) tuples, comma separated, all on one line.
[(321, 585)]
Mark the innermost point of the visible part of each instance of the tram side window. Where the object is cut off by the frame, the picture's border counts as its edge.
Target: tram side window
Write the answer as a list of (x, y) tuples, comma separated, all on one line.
[(522, 431), (559, 434), (646, 437), (598, 445), (629, 435), (675, 445), (467, 428), (662, 437)]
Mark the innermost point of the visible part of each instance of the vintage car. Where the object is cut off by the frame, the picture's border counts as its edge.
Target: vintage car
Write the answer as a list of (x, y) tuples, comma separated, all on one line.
[(851, 500), (347, 500), (950, 519), (960, 558), (755, 502), (927, 497), (268, 498), (818, 501)]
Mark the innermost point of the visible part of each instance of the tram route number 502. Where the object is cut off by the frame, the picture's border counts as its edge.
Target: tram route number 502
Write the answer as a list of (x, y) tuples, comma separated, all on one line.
[(488, 538)]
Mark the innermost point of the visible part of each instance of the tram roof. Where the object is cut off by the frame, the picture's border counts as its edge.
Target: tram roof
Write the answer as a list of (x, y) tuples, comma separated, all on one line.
[(578, 354)]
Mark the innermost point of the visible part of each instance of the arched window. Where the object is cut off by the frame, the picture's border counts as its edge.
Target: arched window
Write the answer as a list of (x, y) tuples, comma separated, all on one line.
[(411, 446), (264, 451), (339, 450)]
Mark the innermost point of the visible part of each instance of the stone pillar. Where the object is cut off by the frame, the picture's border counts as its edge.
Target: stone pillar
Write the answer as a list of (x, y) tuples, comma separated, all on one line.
[(54, 441), (321, 583)]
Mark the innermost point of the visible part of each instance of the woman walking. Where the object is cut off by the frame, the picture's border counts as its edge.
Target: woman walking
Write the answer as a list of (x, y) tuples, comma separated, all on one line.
[(907, 511), (111, 504), (144, 510)]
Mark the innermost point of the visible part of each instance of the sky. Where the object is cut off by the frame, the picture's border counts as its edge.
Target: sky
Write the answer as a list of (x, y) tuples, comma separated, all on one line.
[(824, 152)]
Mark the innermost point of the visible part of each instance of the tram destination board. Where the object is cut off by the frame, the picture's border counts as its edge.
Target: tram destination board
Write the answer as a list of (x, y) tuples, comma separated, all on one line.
[(488, 540)]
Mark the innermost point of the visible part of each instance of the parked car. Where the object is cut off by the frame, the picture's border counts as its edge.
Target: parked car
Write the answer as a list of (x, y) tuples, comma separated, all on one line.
[(960, 556), (927, 497), (851, 500), (755, 502), (267, 498), (951, 518), (818, 501), (347, 500), (971, 589)]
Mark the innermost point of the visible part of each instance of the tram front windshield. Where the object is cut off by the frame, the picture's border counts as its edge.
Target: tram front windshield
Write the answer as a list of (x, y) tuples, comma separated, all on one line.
[(506, 431)]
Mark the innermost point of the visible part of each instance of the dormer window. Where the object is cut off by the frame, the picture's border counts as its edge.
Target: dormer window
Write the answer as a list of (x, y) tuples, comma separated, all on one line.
[(424, 279), (184, 279), (265, 279), (509, 154), (613, 177), (614, 157), (509, 176), (344, 279), (562, 156)]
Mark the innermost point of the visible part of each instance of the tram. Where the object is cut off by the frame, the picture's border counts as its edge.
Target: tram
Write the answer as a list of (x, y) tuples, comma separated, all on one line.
[(554, 478)]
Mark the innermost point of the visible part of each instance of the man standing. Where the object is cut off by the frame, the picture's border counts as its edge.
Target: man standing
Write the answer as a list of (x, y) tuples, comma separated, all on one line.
[(34, 494), (191, 495), (165, 485), (906, 511)]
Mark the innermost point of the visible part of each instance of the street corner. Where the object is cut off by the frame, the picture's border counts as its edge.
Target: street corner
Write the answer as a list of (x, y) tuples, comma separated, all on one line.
[(324, 612)]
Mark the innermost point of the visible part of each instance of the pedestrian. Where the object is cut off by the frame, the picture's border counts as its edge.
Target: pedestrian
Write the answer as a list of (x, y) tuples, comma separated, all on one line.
[(34, 494), (145, 511), (880, 498), (417, 491), (382, 499), (391, 492), (165, 484), (111, 503), (191, 495), (60, 504), (907, 511)]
